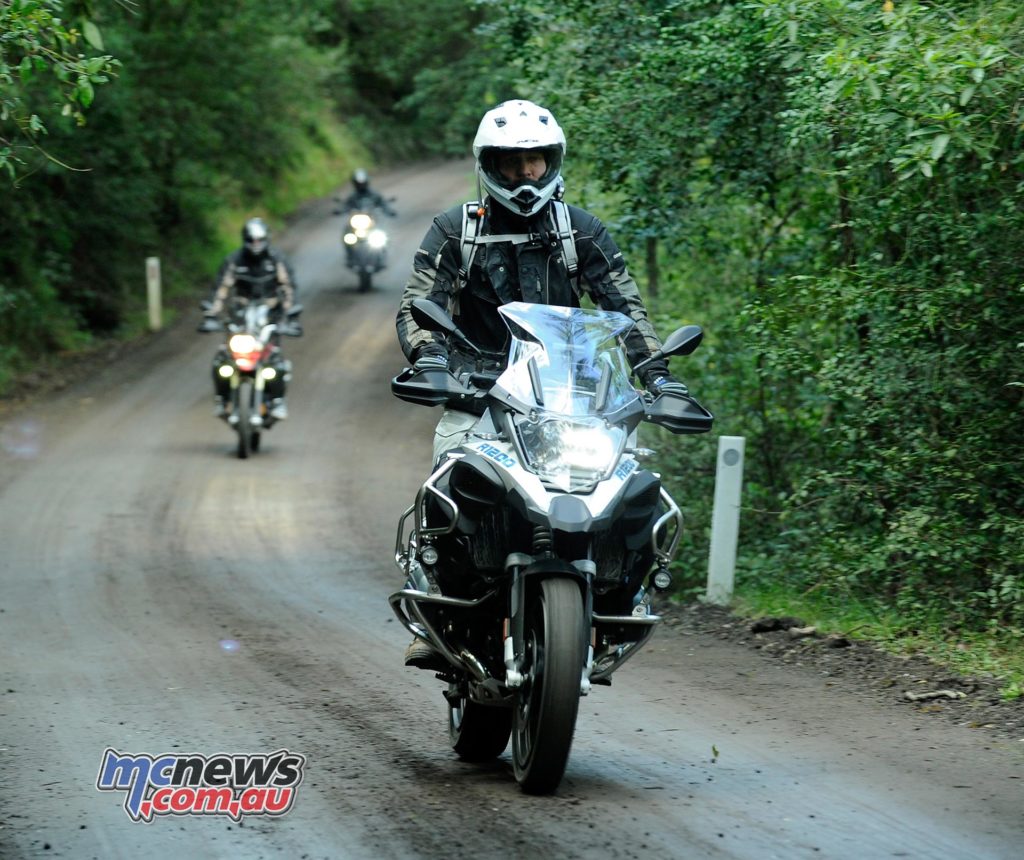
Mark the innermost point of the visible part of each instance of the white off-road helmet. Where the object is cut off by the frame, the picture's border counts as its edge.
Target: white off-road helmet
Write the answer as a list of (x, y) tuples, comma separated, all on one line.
[(255, 237), (519, 125)]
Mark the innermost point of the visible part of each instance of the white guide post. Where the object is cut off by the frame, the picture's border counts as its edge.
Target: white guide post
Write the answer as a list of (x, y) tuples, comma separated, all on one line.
[(153, 293), (725, 519)]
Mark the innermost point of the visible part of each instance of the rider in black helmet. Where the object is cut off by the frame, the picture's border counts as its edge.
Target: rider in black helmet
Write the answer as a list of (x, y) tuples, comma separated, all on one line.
[(254, 272)]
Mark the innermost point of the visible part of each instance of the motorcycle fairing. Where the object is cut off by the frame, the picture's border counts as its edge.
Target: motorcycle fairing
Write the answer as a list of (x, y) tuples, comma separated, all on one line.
[(537, 502)]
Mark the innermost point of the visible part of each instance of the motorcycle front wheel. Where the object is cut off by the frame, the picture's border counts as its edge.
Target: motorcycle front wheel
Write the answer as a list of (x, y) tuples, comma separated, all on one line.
[(544, 716), (477, 732), (365, 282)]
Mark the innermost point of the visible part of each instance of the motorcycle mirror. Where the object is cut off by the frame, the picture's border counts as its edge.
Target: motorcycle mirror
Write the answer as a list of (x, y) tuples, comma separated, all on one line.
[(429, 316), (682, 341)]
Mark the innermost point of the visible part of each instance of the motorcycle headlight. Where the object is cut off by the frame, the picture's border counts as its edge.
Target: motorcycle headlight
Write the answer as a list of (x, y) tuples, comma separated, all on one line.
[(570, 454), (361, 222), (243, 343), (377, 239)]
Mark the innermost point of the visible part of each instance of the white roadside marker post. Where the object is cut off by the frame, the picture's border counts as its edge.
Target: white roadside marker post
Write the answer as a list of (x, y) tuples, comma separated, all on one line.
[(725, 520), (153, 293)]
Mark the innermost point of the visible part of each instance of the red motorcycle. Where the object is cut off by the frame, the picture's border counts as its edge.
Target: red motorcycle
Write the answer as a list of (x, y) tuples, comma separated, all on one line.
[(254, 366)]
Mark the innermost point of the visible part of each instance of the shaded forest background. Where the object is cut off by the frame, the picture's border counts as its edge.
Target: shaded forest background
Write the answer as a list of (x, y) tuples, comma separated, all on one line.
[(831, 188)]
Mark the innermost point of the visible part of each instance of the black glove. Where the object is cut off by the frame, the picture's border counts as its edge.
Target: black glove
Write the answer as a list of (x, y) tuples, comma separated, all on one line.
[(667, 384), (431, 358)]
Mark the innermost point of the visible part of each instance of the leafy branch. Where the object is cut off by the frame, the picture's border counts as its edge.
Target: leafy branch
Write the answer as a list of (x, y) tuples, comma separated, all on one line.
[(42, 57)]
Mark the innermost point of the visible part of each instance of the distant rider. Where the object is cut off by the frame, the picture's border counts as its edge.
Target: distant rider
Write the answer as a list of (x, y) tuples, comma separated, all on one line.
[(255, 272), (363, 198)]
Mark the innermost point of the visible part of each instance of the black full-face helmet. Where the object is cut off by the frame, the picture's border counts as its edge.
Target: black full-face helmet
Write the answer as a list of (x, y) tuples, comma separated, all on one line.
[(360, 180), (255, 237)]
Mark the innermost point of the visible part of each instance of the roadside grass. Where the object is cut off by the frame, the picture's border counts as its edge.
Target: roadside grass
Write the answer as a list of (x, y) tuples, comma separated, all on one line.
[(997, 652)]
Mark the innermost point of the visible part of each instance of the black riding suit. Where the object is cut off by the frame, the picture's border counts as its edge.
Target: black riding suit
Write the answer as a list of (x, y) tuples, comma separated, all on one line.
[(366, 201), (530, 272)]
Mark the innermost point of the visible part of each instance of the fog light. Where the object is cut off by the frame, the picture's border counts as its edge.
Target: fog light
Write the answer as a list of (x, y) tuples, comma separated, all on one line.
[(662, 579), (269, 373), (225, 370), (429, 555)]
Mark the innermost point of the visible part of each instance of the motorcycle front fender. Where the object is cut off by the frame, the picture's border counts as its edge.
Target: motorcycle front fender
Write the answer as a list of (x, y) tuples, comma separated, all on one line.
[(362, 258), (526, 580)]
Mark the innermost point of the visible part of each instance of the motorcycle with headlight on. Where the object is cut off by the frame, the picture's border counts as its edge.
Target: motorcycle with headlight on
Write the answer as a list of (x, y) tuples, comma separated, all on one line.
[(252, 362), (365, 247), (533, 550)]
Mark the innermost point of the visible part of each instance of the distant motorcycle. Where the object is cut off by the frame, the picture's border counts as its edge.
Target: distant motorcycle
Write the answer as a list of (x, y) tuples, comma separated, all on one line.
[(532, 551), (366, 246), (250, 359)]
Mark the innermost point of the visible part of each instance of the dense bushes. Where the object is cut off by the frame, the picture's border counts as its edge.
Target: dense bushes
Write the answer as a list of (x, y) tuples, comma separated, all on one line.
[(835, 186)]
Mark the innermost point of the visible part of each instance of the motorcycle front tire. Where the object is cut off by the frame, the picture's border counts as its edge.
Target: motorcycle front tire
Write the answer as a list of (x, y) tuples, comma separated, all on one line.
[(544, 715)]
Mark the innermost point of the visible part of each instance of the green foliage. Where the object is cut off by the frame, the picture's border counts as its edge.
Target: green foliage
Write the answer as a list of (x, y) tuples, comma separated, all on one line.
[(421, 93), (42, 61), (913, 316), (163, 158), (834, 190)]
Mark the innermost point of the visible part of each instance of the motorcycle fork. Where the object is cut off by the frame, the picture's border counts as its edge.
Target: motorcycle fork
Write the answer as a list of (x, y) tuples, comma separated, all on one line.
[(525, 577), (258, 384), (257, 388)]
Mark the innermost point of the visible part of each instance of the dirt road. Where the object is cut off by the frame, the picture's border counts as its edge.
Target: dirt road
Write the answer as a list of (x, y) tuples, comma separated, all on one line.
[(159, 595)]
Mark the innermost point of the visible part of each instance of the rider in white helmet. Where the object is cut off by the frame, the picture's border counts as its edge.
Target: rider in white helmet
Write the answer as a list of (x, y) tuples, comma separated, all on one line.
[(521, 251), (519, 149)]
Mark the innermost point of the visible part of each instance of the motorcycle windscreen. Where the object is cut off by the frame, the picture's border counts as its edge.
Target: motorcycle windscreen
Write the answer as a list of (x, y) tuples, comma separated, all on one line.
[(567, 366), (571, 351)]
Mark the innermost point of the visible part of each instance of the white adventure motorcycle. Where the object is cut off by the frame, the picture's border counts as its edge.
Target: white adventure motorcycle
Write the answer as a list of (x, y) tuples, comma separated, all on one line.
[(532, 551)]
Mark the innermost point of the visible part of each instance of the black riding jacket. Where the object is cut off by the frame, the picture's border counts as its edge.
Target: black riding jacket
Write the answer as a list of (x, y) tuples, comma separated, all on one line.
[(247, 276), (504, 272), (366, 201)]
